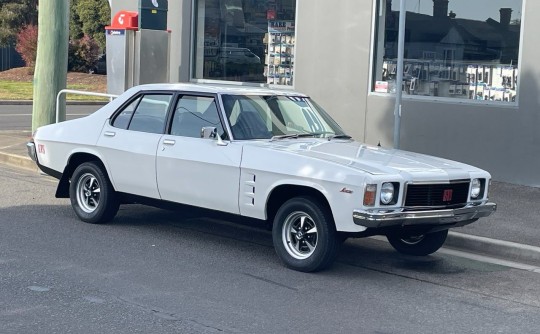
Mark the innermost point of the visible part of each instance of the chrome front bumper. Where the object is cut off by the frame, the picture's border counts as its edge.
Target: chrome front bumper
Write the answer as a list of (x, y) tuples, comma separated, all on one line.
[(378, 218), (31, 148)]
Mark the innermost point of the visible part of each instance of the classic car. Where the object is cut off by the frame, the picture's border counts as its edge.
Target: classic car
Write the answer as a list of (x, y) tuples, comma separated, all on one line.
[(266, 154)]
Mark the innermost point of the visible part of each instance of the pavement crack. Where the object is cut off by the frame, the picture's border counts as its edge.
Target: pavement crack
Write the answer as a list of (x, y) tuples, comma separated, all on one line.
[(170, 316), (270, 281)]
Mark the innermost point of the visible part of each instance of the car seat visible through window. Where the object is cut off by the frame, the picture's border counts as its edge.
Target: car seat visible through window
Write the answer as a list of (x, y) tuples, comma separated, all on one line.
[(250, 125)]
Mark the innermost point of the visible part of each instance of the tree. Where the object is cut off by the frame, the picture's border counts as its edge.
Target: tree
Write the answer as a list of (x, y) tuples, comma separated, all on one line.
[(89, 17), (14, 15), (27, 40)]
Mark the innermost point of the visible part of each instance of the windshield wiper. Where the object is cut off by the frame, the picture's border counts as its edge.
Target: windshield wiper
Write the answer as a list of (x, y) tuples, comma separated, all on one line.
[(343, 136), (294, 135)]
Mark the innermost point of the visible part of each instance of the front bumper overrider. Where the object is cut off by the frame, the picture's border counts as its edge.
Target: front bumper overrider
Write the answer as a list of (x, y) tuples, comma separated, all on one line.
[(31, 148), (378, 218)]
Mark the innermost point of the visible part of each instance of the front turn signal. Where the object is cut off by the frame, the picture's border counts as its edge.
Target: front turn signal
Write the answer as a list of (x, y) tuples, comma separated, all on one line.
[(370, 194)]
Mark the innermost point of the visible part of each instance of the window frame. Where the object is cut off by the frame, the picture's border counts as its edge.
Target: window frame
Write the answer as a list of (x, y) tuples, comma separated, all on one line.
[(140, 96), (217, 101), (377, 6)]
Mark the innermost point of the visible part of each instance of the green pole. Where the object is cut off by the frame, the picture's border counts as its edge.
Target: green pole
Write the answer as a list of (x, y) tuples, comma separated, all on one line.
[(50, 74)]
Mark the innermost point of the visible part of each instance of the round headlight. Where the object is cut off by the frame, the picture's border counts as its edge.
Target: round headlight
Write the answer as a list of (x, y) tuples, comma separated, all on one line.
[(387, 193), (476, 188)]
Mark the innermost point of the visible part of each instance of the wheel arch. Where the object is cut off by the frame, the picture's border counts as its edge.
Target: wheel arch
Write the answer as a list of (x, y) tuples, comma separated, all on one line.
[(284, 192), (76, 159)]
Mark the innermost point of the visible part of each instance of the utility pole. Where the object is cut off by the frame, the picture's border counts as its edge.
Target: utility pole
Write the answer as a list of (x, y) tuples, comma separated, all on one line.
[(50, 75)]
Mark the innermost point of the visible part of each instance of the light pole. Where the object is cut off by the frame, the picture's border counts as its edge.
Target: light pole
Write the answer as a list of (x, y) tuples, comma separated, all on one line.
[(399, 77)]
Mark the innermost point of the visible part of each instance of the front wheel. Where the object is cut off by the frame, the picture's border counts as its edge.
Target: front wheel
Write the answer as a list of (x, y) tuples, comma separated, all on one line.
[(92, 195), (304, 235), (418, 245)]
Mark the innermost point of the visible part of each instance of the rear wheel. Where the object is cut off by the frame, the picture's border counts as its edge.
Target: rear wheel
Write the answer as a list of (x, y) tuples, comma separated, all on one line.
[(304, 235), (417, 244), (92, 195)]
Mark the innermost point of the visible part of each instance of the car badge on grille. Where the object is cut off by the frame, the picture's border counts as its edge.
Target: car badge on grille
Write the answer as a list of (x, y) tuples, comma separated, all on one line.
[(447, 195)]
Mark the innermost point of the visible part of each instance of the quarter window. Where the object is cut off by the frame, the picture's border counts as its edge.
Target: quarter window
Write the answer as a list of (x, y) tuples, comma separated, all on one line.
[(453, 48)]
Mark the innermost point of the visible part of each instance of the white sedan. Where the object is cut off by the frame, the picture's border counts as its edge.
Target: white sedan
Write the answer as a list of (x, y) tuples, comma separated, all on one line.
[(260, 153)]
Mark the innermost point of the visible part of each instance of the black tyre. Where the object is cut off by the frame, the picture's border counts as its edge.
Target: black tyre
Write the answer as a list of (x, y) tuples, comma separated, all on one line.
[(418, 245), (92, 195), (304, 235)]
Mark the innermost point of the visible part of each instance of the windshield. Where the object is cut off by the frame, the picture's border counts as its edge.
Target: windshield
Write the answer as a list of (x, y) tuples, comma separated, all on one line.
[(273, 116)]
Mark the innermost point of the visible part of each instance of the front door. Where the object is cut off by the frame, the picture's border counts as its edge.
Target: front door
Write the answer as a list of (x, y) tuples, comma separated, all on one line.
[(194, 170)]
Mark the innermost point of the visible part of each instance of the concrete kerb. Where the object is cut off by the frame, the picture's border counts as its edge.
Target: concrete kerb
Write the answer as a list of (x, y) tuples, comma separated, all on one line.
[(18, 161), (500, 249)]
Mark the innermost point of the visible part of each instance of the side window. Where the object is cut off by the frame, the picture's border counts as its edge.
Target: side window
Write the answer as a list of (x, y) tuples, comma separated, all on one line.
[(151, 113), (122, 120), (192, 113)]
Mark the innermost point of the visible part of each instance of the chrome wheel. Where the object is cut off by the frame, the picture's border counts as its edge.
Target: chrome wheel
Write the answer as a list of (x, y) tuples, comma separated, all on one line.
[(299, 235), (304, 234), (88, 192), (92, 195)]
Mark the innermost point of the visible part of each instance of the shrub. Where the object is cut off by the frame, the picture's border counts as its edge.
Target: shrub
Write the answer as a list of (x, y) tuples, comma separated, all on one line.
[(26, 46), (83, 54)]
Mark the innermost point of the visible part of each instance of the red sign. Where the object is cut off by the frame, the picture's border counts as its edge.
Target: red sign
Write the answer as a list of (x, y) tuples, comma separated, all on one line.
[(124, 19)]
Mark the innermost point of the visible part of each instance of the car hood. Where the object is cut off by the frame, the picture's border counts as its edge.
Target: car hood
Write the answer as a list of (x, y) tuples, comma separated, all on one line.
[(372, 159)]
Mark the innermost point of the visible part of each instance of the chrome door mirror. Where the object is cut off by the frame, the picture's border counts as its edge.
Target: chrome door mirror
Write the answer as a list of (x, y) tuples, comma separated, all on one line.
[(210, 132)]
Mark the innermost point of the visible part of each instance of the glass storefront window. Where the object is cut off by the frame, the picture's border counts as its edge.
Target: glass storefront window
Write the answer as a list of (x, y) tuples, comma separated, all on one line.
[(245, 40), (453, 48)]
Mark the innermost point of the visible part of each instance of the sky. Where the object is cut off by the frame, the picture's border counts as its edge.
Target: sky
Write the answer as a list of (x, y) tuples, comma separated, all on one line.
[(467, 9)]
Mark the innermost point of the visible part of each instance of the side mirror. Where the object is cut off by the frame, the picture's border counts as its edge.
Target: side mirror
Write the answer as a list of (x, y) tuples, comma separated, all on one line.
[(210, 132)]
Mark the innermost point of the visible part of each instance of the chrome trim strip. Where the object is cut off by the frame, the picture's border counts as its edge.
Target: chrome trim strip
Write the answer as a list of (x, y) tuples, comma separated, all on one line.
[(376, 218), (439, 182)]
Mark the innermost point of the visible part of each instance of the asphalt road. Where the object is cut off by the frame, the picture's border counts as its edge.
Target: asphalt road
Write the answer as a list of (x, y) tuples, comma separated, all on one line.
[(156, 271), (19, 117)]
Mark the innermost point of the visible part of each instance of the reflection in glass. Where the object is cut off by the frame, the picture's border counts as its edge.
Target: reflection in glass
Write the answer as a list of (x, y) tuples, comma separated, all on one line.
[(245, 40), (271, 116), (453, 48)]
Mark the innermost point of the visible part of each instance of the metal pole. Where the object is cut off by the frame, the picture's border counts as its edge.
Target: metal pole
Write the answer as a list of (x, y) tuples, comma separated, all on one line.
[(399, 77)]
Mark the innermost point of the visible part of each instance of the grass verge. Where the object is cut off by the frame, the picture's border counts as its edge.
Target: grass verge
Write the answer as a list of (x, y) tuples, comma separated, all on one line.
[(18, 90)]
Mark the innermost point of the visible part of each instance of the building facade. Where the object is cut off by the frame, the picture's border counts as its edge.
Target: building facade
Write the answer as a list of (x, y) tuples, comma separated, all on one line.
[(470, 82)]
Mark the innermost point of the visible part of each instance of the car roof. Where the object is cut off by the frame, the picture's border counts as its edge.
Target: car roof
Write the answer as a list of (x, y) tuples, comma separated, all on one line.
[(234, 89)]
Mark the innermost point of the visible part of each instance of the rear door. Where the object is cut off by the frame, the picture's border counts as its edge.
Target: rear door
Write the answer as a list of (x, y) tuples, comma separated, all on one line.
[(130, 140)]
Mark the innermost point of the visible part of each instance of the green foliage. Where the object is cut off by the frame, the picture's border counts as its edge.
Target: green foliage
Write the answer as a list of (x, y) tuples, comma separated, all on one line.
[(89, 17), (83, 54), (14, 15)]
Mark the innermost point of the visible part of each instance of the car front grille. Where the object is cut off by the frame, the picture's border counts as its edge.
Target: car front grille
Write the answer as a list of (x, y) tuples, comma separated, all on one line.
[(431, 196)]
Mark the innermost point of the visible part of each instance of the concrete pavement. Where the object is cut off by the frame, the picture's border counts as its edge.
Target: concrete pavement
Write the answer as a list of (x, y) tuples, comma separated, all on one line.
[(512, 233)]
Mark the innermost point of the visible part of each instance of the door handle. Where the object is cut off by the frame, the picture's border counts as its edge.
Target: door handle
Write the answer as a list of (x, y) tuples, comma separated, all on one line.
[(169, 142), (109, 134)]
